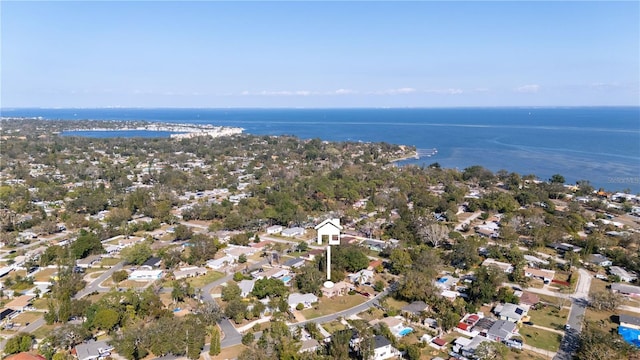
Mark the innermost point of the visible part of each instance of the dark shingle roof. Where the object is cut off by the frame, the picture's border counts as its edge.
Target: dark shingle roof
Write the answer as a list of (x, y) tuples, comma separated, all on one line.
[(381, 341), (629, 319)]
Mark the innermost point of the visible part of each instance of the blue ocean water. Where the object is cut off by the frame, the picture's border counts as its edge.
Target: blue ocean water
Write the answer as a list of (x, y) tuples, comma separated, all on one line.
[(599, 144)]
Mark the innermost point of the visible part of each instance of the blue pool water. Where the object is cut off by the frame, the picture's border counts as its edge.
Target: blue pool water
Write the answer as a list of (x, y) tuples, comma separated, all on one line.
[(442, 280), (286, 279), (405, 331)]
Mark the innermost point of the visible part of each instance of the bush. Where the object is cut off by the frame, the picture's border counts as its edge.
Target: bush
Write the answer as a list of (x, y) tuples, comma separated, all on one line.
[(237, 277), (247, 339), (119, 276), (299, 307), (351, 292)]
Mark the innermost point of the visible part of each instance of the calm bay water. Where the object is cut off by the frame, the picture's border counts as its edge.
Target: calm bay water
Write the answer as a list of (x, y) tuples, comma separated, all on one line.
[(601, 145)]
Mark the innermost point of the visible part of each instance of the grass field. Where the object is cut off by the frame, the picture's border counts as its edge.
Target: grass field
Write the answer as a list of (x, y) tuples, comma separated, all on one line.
[(27, 317), (231, 352), (333, 326), (328, 306), (109, 261), (540, 338), (45, 274), (549, 317), (203, 280)]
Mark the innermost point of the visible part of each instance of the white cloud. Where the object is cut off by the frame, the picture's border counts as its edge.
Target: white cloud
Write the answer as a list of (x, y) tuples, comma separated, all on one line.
[(527, 89), (343, 92), (399, 91), (450, 91)]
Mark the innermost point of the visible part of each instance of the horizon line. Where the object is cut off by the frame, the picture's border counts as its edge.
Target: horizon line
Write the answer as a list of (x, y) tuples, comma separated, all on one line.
[(318, 108)]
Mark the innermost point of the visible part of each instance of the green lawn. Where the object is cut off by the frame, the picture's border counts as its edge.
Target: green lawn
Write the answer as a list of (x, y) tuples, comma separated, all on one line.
[(43, 331), (27, 317), (549, 317), (540, 338), (328, 306), (203, 280), (109, 261), (333, 326)]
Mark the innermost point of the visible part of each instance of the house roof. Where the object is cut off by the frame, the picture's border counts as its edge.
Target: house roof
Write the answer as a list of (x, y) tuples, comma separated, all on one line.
[(628, 319), (25, 356), (484, 323), (152, 261), (540, 272), (246, 286), (529, 298), (511, 311), (502, 328), (309, 345), (415, 307), (19, 302), (629, 289), (293, 262), (439, 341), (297, 298), (380, 341), (92, 349)]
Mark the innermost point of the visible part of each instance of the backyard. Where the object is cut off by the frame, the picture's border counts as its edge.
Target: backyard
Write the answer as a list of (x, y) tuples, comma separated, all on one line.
[(549, 317), (328, 306), (541, 339), (203, 280)]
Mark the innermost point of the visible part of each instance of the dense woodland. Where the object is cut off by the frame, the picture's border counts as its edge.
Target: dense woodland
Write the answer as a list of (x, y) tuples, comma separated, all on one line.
[(291, 182)]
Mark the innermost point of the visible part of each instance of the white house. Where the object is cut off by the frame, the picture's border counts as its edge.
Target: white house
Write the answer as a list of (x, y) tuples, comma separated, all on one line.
[(275, 229), (189, 272), (382, 348), (505, 267), (246, 287), (305, 299), (361, 277), (543, 274), (623, 274), (600, 260), (146, 275), (93, 350), (220, 263), (292, 232)]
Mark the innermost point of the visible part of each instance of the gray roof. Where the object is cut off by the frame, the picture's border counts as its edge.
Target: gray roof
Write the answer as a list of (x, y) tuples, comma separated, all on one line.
[(629, 289), (629, 319), (415, 307), (293, 262), (92, 350), (246, 286), (502, 329), (381, 341)]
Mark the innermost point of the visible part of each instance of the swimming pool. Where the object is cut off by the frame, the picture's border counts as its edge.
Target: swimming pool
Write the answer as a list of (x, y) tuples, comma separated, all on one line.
[(285, 279), (405, 331), (442, 280)]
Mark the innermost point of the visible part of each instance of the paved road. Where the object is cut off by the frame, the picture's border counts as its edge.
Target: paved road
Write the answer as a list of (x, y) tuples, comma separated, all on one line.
[(580, 300), (90, 288), (345, 313), (231, 336)]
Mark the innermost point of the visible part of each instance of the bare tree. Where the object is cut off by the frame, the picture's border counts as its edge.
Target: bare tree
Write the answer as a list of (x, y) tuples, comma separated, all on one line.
[(432, 233)]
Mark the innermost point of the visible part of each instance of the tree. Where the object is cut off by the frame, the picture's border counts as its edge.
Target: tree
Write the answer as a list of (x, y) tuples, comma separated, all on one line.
[(21, 342), (119, 276), (269, 287), (557, 179), (235, 310), (400, 261), (247, 338), (605, 300), (86, 244), (106, 319), (242, 259), (490, 350), (432, 233), (136, 254), (309, 278), (214, 347), (231, 292), (182, 232)]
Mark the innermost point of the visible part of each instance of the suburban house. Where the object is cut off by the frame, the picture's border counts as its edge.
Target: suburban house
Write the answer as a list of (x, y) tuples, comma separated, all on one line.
[(235, 251), (20, 303), (275, 229), (623, 274), (93, 350), (628, 321), (501, 330), (275, 273), (599, 260), (415, 308), (151, 263), (505, 267), (89, 261), (338, 289), (466, 325), (535, 261), (310, 345), (218, 264), (187, 272), (375, 245), (565, 247), (468, 348), (25, 356), (361, 277), (542, 274), (511, 312), (624, 289), (394, 324), (293, 263), (382, 348), (446, 282), (292, 232), (7, 313), (246, 287), (305, 299), (146, 275)]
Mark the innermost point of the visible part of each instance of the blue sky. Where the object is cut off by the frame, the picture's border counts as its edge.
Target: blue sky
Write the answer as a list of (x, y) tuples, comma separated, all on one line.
[(319, 54)]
